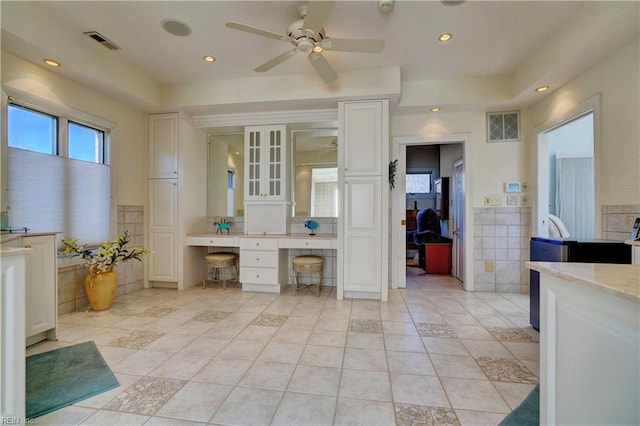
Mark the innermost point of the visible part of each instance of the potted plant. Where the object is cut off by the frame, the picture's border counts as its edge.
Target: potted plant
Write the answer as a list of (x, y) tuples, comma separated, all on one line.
[(102, 281)]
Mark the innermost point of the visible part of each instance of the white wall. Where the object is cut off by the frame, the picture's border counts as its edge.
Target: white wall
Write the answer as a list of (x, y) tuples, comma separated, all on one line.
[(128, 153), (617, 151)]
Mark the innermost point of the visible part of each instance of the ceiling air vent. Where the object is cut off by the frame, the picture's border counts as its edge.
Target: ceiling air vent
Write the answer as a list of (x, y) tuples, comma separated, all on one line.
[(102, 40)]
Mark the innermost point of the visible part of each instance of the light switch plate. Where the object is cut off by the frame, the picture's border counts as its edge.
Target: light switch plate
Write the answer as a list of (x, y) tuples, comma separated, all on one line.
[(512, 200), (492, 200)]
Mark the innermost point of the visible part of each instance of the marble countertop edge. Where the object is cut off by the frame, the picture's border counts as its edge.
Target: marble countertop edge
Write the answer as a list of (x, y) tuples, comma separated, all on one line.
[(621, 280)]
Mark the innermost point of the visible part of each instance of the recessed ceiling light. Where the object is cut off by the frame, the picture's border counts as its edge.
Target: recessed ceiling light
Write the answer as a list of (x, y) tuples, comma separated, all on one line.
[(445, 37), (51, 62), (176, 27), (209, 58), (542, 88), (435, 109)]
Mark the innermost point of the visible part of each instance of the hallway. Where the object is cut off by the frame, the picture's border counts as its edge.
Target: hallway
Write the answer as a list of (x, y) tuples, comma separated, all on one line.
[(433, 353)]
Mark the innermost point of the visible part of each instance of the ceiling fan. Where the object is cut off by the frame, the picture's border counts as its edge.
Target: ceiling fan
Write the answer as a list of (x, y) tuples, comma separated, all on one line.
[(308, 36)]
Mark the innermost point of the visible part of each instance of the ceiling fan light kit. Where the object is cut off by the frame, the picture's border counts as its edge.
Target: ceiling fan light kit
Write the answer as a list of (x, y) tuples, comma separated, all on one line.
[(308, 36)]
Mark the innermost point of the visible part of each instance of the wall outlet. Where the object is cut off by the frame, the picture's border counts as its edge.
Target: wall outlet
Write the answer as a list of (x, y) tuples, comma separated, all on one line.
[(492, 200), (512, 200), (488, 266), (524, 200)]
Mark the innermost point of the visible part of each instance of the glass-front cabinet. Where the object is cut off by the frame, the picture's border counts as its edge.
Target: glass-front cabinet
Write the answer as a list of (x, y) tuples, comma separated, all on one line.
[(265, 171)]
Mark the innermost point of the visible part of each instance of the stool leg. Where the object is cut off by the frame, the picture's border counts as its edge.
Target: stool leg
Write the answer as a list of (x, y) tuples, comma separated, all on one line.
[(204, 276), (295, 282), (319, 285)]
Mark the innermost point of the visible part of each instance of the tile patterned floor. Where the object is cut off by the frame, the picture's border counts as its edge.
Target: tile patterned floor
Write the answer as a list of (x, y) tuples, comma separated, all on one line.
[(433, 354)]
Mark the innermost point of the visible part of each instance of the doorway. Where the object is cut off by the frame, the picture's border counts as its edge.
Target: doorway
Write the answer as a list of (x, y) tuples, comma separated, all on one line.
[(463, 254)]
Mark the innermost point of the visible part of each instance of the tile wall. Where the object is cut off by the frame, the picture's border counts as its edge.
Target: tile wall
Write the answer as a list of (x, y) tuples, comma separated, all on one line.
[(618, 220), (501, 248), (71, 294)]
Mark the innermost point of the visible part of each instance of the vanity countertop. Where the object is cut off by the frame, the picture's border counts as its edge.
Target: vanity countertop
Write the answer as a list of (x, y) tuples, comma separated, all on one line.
[(632, 242), (233, 235), (620, 280), (8, 236)]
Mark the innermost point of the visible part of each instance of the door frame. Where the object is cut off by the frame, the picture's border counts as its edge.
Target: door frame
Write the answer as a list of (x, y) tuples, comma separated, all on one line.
[(456, 212), (398, 204)]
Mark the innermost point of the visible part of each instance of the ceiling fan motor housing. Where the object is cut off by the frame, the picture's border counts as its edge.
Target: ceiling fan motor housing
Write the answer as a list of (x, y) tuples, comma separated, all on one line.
[(297, 32)]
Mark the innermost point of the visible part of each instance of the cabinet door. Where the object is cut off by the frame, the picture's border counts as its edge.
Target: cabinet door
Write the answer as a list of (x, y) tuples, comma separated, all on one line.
[(163, 145), (41, 290), (362, 127), (362, 237), (265, 168), (163, 225)]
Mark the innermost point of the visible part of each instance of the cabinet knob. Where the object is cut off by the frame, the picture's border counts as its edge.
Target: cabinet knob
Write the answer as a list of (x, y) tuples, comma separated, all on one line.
[(175, 173), (210, 241), (257, 259), (257, 244), (28, 246), (257, 275), (307, 243)]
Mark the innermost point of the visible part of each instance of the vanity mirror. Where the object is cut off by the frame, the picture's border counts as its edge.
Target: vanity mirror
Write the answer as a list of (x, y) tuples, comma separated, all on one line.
[(314, 177)]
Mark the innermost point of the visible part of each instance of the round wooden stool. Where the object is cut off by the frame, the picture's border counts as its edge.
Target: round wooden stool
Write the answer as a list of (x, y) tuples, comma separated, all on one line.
[(218, 261), (307, 264)]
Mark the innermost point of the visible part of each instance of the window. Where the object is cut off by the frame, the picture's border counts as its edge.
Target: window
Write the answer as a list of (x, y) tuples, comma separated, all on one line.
[(58, 179), (324, 192), (419, 183)]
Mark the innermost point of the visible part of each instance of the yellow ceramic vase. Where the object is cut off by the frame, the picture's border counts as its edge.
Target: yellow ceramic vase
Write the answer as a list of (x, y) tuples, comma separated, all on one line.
[(101, 289)]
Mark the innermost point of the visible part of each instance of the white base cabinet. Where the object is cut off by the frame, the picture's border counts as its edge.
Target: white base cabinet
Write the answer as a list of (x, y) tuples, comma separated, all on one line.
[(12, 335), (41, 290), (259, 265)]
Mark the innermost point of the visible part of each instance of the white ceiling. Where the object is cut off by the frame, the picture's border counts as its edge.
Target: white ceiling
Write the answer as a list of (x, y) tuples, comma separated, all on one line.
[(491, 41)]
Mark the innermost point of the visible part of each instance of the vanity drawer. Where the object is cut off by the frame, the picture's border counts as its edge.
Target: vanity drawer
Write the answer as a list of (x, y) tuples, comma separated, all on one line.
[(303, 243), (259, 258), (259, 244), (259, 275), (211, 241)]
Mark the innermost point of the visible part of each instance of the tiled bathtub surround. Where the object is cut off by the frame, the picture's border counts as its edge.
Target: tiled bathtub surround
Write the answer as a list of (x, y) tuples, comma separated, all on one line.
[(501, 248), (618, 220), (231, 357), (71, 293)]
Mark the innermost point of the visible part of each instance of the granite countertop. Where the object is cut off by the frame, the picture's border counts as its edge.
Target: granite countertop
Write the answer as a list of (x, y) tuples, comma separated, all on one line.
[(632, 243), (620, 280), (15, 251)]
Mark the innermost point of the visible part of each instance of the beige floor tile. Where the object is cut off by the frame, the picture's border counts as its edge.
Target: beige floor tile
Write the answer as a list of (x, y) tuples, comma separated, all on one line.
[(292, 335), (224, 371), (141, 363), (421, 390), (243, 349), (257, 332), (365, 340), (281, 352), (104, 398), (471, 332), (71, 415), (193, 328), (247, 406), (106, 418), (410, 363), (268, 375), (524, 351), (195, 401), (322, 356), (170, 343), (300, 409), (365, 359), (478, 418), (398, 342), (399, 327), (114, 355), (444, 346), (464, 367), (205, 345), (181, 366), (224, 331), (478, 395), (486, 348), (315, 380), (165, 421), (332, 324), (369, 385), (354, 412), (513, 393), (328, 338)]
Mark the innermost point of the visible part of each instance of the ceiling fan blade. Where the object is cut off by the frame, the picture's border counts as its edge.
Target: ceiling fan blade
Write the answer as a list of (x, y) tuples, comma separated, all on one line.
[(275, 61), (257, 31), (322, 67), (317, 13), (353, 45)]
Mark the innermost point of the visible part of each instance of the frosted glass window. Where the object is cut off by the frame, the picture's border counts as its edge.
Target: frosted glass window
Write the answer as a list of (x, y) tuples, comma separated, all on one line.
[(47, 190), (418, 183)]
